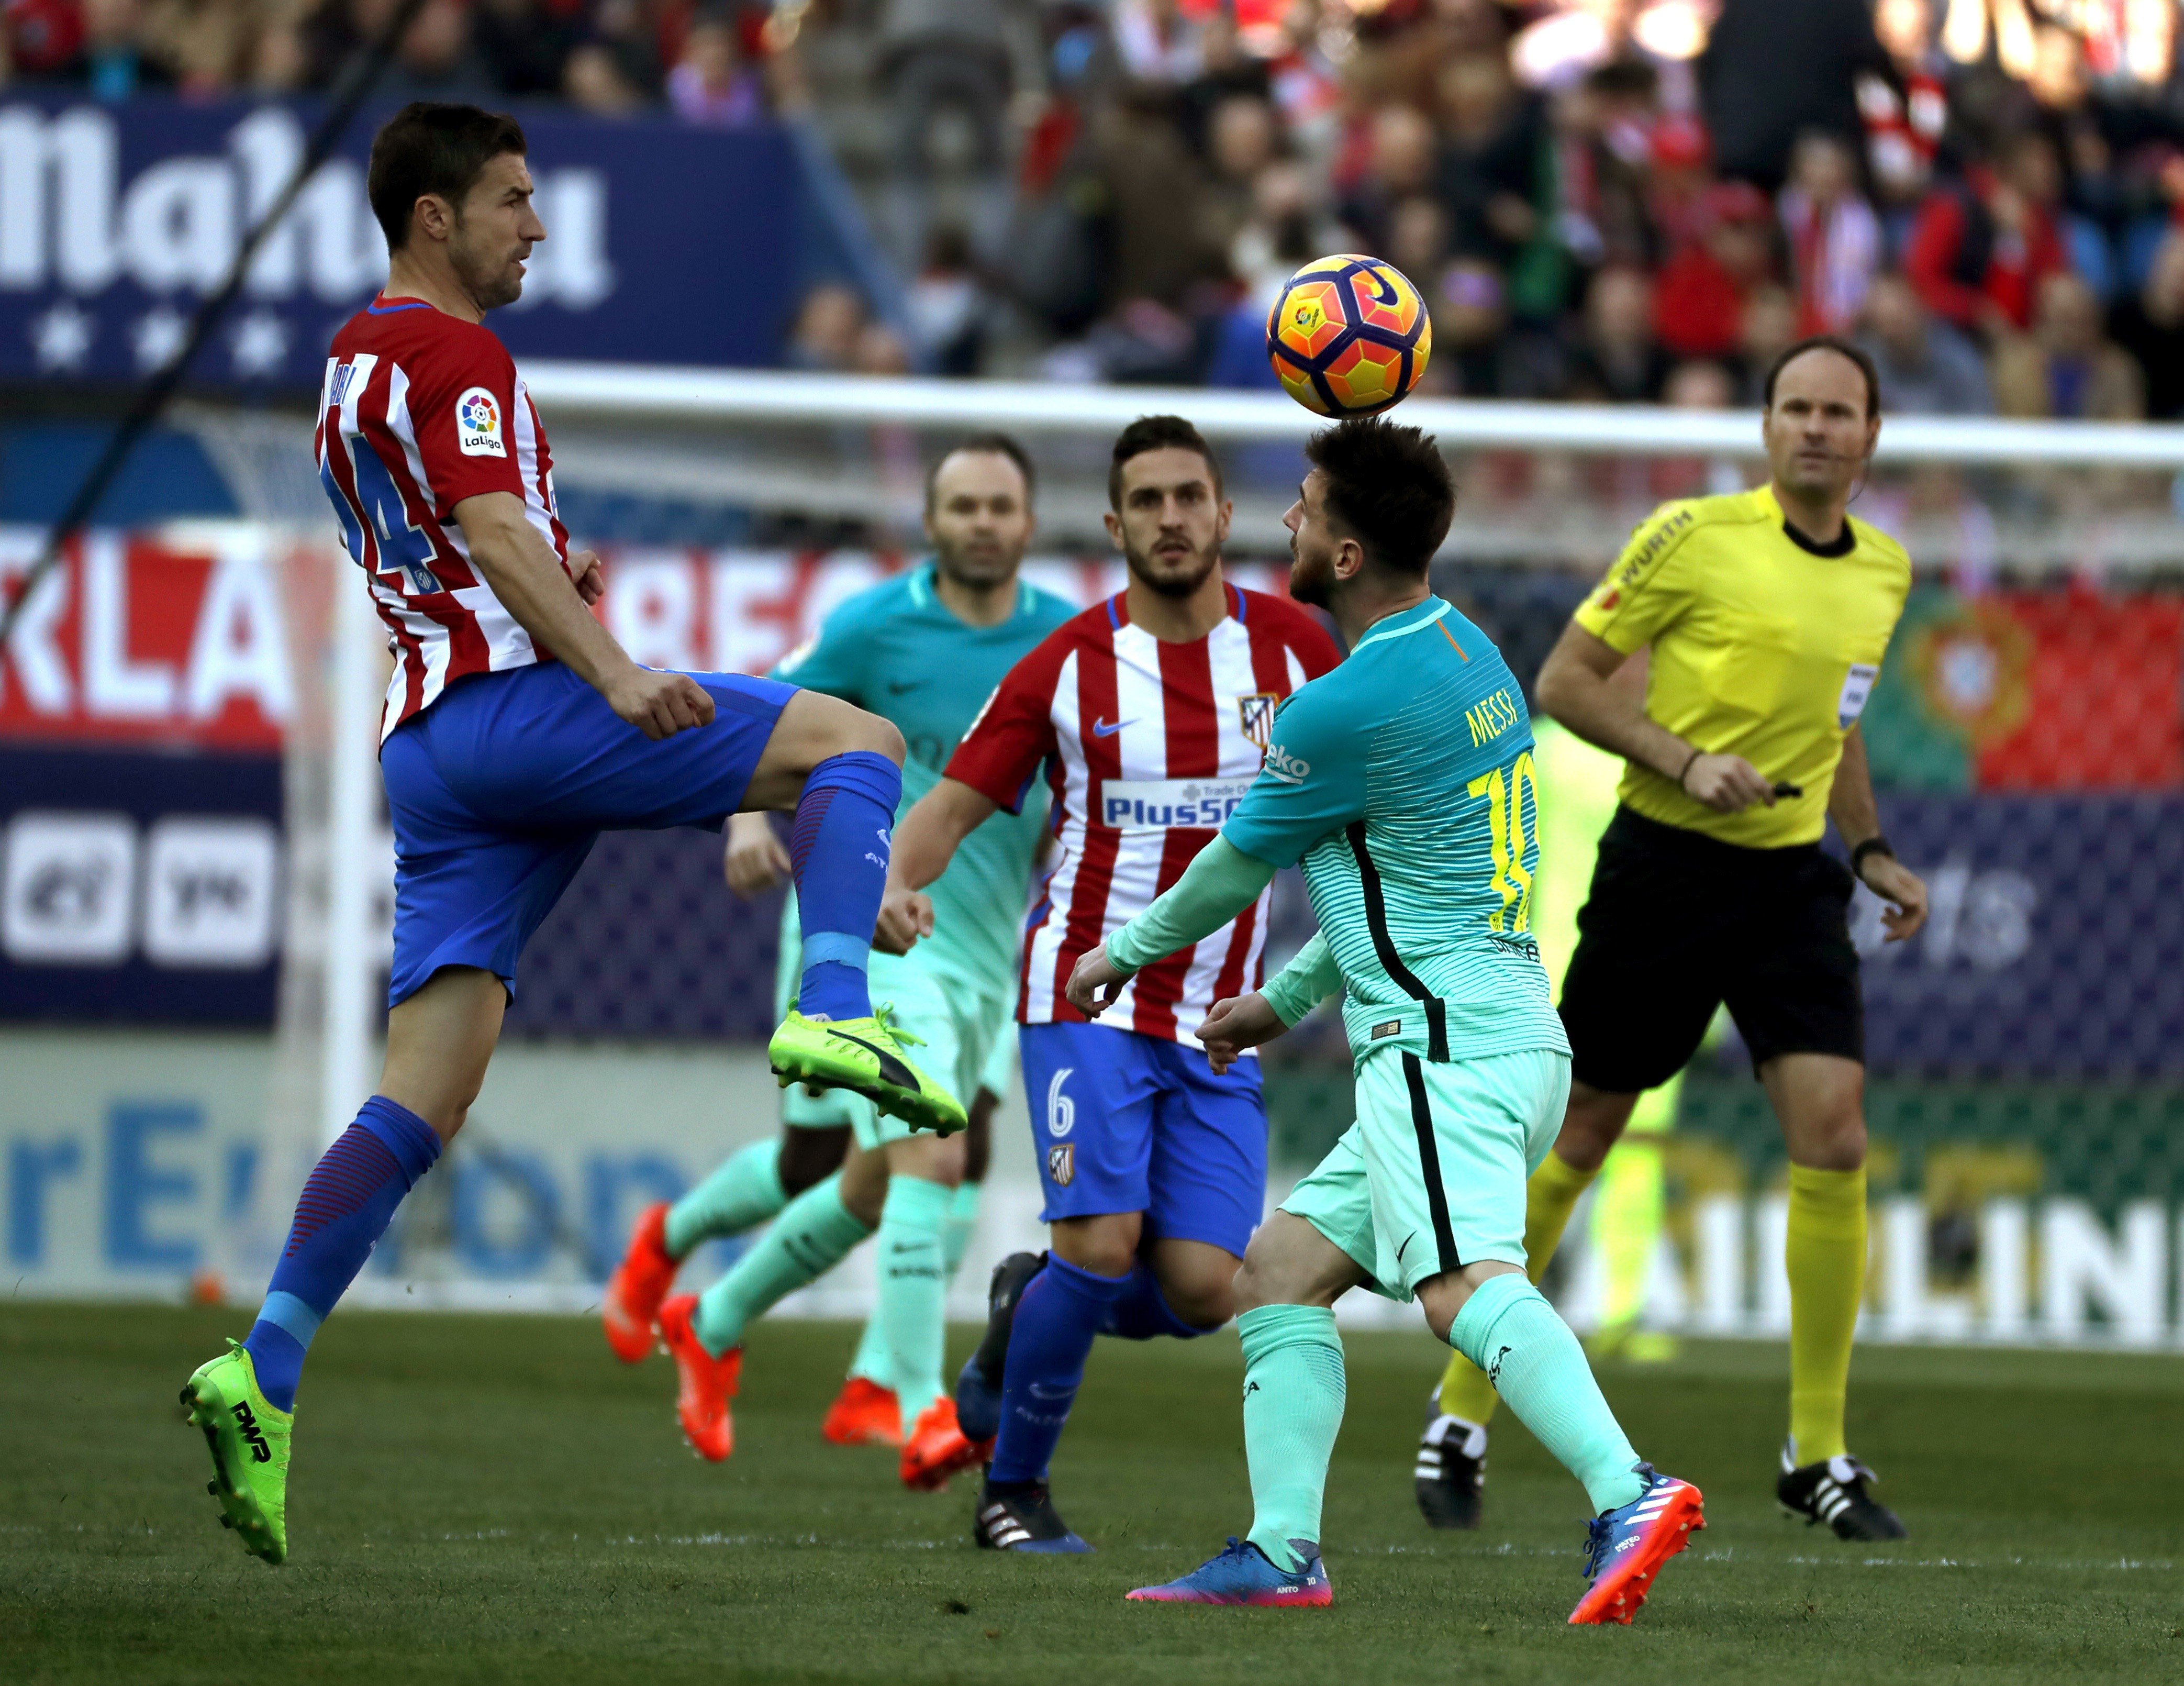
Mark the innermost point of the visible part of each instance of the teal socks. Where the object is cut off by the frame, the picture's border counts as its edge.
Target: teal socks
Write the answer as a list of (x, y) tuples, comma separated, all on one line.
[(1294, 1391), (1509, 1329), (874, 1362), (741, 1195), (913, 1281), (814, 1233)]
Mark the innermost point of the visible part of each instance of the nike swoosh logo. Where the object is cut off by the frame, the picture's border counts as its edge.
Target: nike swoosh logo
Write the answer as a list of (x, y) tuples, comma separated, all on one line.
[(1408, 1240), (892, 1070), (1101, 728), (895, 689)]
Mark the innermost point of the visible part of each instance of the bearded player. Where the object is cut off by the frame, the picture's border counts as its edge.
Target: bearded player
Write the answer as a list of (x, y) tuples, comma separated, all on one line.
[(1148, 715), (515, 730), (1403, 783), (924, 650)]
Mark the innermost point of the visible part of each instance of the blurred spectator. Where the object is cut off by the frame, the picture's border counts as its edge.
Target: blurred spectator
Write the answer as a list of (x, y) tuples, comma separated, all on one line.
[(1399, 165), (1618, 360), (1980, 248), (1833, 237), (1227, 71), (1157, 43), (1417, 237), (828, 326), (1904, 103), (2150, 326), (1699, 309), (1699, 384), (710, 83), (434, 60), (1774, 69), (1603, 133), (879, 350), (2068, 367), (112, 63), (1491, 156), (528, 42), (1767, 327), (948, 304), (43, 38), (1926, 367), (1241, 138), (947, 68), (1287, 229), (593, 81)]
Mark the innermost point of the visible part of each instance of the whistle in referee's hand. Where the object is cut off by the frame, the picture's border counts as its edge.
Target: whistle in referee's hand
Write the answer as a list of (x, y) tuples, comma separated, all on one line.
[(1783, 787)]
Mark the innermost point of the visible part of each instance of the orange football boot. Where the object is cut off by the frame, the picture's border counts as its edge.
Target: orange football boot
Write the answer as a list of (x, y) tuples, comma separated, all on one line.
[(639, 1283), (937, 1448), (707, 1383), (864, 1414)]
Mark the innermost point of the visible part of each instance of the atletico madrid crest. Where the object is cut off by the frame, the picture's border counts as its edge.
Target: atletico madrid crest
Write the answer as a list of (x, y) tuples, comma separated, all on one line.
[(1061, 1164), (1256, 712)]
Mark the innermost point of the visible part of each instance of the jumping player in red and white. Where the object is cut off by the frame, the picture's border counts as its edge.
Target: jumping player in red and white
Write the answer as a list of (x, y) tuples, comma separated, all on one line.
[(516, 730), (1148, 714)]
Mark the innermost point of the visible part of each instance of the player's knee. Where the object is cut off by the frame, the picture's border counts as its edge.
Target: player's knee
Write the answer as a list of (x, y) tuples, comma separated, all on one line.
[(873, 734), (1205, 1303), (1263, 1279)]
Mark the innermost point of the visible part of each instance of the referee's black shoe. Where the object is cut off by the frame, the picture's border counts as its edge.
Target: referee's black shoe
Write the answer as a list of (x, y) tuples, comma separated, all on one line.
[(1833, 1491), (1450, 1471)]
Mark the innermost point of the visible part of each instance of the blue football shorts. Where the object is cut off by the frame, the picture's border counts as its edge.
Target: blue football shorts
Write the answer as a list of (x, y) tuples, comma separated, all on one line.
[(1123, 1122), (498, 790)]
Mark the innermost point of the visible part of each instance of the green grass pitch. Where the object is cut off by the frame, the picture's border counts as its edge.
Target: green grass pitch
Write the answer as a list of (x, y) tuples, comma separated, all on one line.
[(496, 1499)]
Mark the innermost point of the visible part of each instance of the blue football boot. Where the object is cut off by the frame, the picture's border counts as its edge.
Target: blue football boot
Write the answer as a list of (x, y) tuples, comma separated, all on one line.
[(1244, 1574)]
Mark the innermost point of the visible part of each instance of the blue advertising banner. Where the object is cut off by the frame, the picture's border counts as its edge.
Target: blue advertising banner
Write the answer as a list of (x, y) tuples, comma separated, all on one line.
[(665, 242), (2055, 944)]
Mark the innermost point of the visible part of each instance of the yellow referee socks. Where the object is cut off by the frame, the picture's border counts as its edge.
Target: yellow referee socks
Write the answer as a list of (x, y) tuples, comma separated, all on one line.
[(1549, 1196), (1826, 1260)]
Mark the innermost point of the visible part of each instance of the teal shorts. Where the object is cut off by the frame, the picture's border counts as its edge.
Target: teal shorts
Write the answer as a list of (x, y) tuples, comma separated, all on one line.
[(1431, 1176), (957, 1029)]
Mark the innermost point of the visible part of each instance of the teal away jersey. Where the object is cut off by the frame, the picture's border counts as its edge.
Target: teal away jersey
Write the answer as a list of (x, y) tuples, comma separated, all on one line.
[(1403, 780), (899, 651)]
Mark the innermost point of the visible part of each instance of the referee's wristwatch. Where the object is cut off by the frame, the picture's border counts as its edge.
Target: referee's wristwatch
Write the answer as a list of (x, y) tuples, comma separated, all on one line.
[(1875, 845)]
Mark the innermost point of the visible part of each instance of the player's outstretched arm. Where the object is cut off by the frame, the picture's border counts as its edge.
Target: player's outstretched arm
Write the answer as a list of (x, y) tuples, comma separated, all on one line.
[(550, 605), (1577, 686), (925, 840), (1246, 1021), (1850, 805), (1220, 883)]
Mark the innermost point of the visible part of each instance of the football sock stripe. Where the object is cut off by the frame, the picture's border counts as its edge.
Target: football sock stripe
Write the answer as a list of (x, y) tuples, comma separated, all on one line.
[(1294, 1387), (742, 1193), (347, 1202), (912, 1284), (1824, 1257), (1510, 1331), (1549, 1197), (814, 1233), (1050, 1339), (839, 855)]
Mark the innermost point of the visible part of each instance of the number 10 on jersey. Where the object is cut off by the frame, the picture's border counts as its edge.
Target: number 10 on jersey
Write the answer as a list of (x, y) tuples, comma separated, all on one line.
[(1504, 791)]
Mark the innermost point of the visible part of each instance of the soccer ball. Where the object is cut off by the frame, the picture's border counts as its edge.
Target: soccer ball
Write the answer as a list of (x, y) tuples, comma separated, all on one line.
[(1349, 335)]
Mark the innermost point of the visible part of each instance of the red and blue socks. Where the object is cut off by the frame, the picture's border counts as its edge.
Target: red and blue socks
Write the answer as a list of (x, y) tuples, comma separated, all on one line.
[(838, 854), (348, 1201)]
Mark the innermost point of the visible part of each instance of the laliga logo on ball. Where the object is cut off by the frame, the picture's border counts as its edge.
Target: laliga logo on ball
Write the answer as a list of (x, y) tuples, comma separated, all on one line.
[(1349, 335)]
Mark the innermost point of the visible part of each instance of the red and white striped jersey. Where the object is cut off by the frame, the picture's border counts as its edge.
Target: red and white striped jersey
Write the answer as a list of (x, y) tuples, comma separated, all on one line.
[(1148, 747), (420, 410)]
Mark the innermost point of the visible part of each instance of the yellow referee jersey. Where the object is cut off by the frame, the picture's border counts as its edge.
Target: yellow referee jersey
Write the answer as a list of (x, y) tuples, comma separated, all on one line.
[(1763, 646)]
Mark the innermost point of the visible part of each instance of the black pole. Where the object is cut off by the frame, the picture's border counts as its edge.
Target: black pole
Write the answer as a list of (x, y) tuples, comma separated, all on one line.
[(350, 93)]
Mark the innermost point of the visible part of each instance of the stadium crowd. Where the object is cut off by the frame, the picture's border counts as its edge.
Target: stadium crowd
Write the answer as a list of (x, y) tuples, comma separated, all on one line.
[(1628, 200)]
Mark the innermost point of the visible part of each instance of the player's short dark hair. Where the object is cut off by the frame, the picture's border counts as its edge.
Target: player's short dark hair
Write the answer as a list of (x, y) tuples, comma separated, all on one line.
[(986, 445), (429, 148), (1389, 488), (1154, 433), (1825, 341)]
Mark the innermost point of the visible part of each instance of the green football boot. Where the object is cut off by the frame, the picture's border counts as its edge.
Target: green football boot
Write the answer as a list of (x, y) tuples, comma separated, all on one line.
[(248, 1435), (865, 1056)]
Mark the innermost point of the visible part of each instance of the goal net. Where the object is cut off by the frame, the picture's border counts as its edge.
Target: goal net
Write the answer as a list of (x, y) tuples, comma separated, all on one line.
[(2027, 737)]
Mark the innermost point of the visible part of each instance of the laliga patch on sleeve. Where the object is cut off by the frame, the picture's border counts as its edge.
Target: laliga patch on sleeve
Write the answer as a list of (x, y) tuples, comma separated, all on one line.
[(477, 424)]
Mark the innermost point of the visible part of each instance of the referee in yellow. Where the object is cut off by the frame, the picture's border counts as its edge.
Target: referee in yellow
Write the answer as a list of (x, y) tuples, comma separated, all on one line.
[(1767, 613)]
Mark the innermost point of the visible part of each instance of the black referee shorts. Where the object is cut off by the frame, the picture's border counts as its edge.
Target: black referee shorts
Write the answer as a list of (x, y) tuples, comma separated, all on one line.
[(1678, 922)]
